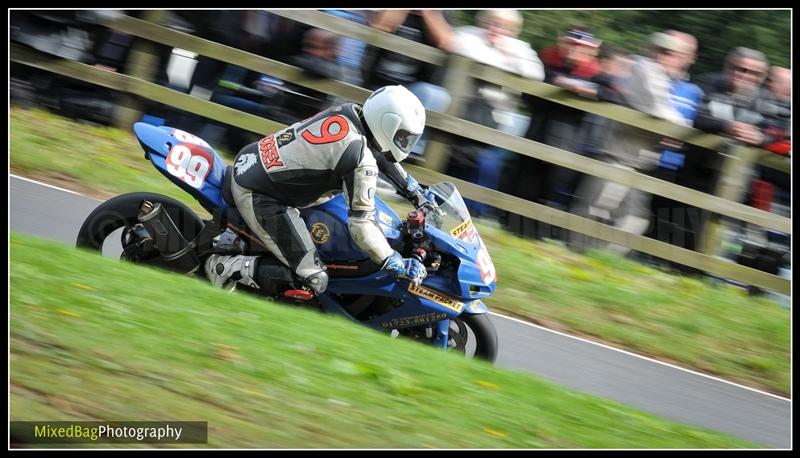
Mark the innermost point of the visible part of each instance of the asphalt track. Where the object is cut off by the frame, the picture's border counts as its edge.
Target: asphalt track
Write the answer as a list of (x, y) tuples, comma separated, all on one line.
[(661, 389)]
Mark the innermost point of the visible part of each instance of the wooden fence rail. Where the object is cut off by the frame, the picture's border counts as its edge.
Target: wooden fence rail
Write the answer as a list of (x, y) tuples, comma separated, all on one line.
[(448, 124), (460, 127)]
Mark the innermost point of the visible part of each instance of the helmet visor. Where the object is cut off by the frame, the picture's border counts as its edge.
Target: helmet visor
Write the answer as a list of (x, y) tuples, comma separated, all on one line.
[(405, 140)]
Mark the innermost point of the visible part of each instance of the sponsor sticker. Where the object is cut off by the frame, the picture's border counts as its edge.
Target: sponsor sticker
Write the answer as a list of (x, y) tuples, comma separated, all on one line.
[(416, 320), (268, 153), (437, 297), (342, 266), (385, 219), (285, 138), (189, 163), (461, 229), (320, 233)]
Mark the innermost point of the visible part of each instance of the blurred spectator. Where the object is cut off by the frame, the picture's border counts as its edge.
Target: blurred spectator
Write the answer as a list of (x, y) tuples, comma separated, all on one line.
[(647, 90), (320, 54), (686, 96), (66, 34), (779, 83), (74, 35), (675, 222), (739, 104), (284, 101), (734, 99), (221, 27), (285, 37), (777, 116), (351, 51), (224, 27), (607, 86), (384, 67), (320, 58), (769, 189), (492, 42), (594, 129), (735, 103), (258, 32), (570, 63)]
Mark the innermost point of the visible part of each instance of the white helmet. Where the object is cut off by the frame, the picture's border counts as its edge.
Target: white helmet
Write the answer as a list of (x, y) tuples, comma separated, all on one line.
[(396, 119)]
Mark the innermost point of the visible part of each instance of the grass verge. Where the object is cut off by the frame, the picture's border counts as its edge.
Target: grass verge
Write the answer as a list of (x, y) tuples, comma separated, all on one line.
[(717, 329), (96, 339)]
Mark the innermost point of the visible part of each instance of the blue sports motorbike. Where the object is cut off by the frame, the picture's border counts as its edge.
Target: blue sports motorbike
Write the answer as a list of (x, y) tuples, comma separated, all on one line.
[(446, 310)]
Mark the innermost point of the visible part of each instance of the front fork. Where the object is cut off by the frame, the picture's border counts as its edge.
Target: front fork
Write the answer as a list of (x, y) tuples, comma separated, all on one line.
[(442, 331)]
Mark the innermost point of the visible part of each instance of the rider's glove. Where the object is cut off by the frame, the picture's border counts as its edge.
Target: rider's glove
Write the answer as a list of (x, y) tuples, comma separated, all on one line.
[(410, 269)]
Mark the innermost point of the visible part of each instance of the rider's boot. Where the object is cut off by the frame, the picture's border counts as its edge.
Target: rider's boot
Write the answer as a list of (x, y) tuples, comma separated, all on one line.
[(225, 271)]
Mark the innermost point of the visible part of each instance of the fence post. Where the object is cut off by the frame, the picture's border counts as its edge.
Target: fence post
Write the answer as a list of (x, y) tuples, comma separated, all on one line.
[(458, 84), (732, 185), (142, 64)]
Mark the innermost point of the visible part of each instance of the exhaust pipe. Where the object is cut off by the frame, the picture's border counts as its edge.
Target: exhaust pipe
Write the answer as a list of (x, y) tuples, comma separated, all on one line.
[(169, 241)]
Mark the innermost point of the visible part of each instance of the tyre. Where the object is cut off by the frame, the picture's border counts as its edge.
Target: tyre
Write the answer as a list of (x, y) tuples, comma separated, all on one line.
[(474, 335), (122, 212)]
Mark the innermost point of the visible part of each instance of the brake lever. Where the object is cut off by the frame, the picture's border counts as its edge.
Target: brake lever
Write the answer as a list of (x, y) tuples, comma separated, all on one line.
[(431, 208)]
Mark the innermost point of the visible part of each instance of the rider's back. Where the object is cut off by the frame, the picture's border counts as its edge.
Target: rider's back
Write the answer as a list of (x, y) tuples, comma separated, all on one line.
[(308, 160)]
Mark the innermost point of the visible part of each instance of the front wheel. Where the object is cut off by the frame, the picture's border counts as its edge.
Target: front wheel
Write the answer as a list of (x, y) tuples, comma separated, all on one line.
[(473, 335)]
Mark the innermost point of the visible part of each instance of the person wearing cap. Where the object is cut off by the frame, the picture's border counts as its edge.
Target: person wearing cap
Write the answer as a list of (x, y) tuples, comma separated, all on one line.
[(570, 63), (574, 55), (647, 89), (593, 133), (680, 162)]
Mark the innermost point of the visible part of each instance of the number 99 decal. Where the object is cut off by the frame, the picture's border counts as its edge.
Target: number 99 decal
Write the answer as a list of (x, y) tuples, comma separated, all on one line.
[(191, 168)]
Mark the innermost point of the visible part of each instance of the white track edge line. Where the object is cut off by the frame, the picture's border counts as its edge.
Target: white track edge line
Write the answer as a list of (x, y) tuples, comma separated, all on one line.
[(642, 357), (50, 186)]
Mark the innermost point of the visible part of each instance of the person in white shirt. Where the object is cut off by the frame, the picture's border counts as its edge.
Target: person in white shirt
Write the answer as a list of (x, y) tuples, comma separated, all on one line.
[(494, 42)]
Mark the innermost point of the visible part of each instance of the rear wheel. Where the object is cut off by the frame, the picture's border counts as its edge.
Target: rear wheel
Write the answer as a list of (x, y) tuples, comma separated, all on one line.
[(120, 215)]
